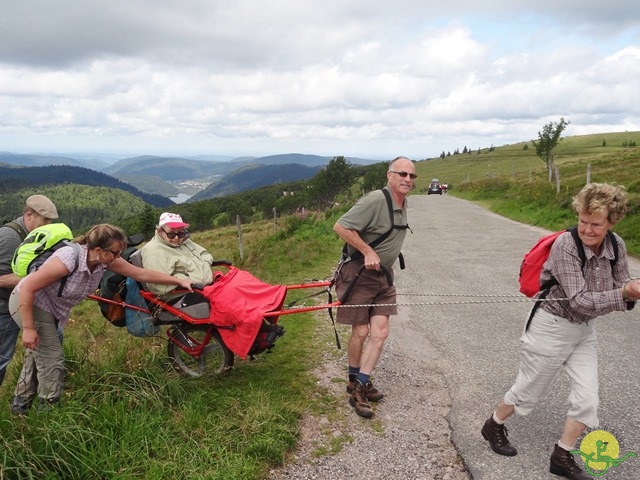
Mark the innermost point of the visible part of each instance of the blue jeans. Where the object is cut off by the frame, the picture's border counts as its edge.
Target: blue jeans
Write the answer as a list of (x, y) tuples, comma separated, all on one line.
[(9, 331)]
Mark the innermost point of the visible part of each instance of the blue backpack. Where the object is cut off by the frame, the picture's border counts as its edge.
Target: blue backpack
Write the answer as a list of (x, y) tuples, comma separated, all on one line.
[(139, 324)]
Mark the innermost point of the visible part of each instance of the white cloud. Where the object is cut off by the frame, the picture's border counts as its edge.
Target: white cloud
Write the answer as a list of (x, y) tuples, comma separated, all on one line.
[(351, 77)]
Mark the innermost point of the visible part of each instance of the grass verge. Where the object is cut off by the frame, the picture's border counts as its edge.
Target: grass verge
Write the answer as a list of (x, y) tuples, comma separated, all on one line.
[(126, 414)]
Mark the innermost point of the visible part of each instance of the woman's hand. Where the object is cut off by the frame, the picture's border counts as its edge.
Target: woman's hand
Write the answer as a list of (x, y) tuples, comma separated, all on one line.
[(632, 290), (185, 283), (30, 338)]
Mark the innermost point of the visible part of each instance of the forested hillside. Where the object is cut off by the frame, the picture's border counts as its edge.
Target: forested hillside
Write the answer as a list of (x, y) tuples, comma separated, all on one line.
[(61, 174), (83, 206), (79, 206)]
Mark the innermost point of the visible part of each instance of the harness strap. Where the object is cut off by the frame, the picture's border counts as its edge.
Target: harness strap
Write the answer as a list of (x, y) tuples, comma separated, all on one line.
[(333, 322), (357, 254), (17, 227)]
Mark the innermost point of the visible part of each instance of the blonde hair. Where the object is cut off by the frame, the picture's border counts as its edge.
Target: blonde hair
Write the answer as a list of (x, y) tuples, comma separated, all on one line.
[(102, 236), (600, 197)]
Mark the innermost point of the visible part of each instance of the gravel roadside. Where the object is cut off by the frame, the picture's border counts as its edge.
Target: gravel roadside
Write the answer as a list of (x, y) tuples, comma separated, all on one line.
[(409, 437)]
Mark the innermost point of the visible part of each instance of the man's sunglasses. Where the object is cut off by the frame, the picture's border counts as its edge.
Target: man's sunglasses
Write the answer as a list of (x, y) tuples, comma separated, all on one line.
[(173, 235), (412, 176)]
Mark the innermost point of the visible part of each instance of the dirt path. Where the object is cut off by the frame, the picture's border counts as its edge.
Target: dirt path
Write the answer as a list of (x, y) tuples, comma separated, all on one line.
[(409, 437)]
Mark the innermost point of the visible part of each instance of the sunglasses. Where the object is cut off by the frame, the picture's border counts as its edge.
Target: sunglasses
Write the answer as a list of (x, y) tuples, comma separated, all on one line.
[(116, 254), (412, 176), (173, 235)]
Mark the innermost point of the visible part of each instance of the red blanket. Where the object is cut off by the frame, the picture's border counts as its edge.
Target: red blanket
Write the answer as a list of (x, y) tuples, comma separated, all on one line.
[(240, 300)]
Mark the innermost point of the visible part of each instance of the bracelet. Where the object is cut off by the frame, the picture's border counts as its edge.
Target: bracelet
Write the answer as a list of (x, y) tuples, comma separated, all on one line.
[(624, 292)]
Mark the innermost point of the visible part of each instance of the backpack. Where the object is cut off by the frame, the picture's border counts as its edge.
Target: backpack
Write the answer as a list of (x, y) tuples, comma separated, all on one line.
[(357, 255), (139, 323), (531, 266), (16, 226), (5, 292), (266, 337), (39, 245), (113, 286)]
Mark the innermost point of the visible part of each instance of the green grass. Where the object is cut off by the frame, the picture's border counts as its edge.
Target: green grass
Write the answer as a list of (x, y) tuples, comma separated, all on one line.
[(513, 182), (127, 415), (513, 162)]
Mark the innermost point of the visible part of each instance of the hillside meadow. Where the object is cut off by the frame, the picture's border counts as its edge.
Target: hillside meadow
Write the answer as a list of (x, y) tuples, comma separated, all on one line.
[(127, 415), (512, 181)]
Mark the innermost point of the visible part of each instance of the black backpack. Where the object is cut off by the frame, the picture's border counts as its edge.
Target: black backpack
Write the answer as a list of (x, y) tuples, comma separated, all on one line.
[(16, 226), (113, 285), (5, 292)]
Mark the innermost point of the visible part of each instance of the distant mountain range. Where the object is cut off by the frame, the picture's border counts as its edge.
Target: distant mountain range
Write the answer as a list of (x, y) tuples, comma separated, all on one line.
[(154, 178), (250, 177)]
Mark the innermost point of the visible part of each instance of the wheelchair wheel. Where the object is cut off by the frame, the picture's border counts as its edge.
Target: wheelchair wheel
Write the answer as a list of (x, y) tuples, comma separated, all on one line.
[(215, 357)]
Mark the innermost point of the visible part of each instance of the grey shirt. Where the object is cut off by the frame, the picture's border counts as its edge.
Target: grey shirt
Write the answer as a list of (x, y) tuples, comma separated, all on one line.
[(9, 241)]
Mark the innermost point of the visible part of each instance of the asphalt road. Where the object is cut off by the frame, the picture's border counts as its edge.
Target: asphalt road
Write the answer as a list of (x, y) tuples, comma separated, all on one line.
[(458, 248)]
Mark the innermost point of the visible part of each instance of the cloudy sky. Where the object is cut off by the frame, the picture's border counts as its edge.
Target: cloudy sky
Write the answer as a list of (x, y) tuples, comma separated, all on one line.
[(368, 78)]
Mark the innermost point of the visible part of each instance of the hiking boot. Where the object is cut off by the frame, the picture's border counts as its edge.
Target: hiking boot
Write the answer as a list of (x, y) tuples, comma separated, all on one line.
[(373, 394), (563, 464), (496, 435), (46, 404), (20, 406), (358, 400)]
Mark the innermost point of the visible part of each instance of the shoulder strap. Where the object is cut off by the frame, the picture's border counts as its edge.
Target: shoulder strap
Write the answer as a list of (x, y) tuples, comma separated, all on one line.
[(17, 227), (614, 242), (580, 247), (387, 196), (76, 250), (382, 237)]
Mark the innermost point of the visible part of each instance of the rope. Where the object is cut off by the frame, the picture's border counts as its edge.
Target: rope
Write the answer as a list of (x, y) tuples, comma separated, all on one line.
[(462, 302), (492, 299), (454, 295)]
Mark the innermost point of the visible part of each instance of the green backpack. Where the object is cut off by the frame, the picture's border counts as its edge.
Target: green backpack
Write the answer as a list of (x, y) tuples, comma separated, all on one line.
[(40, 245)]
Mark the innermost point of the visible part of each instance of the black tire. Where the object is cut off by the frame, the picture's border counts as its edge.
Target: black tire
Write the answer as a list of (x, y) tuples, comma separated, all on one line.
[(215, 358)]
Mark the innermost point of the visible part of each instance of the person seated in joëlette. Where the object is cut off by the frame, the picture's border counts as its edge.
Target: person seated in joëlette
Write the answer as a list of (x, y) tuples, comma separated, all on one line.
[(171, 251)]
